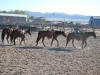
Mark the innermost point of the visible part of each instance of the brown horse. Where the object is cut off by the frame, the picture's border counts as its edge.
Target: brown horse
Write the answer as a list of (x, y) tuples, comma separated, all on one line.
[(72, 36), (19, 33), (43, 34), (6, 31)]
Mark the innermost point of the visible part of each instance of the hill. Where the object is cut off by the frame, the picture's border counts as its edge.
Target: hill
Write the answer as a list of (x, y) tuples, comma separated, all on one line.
[(59, 16)]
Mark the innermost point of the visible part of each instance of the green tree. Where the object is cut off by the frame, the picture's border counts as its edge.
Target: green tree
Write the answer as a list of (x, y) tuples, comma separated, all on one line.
[(43, 20), (4, 11), (23, 12), (17, 12), (11, 12)]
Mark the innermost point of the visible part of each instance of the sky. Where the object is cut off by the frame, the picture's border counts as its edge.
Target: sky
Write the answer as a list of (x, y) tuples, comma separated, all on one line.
[(82, 7)]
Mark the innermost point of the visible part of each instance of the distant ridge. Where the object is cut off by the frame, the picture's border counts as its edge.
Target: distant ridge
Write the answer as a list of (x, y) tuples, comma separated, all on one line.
[(59, 16)]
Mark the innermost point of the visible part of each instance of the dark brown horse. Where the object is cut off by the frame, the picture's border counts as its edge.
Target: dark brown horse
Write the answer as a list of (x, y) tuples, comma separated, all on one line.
[(6, 31), (72, 36), (43, 34), (19, 33)]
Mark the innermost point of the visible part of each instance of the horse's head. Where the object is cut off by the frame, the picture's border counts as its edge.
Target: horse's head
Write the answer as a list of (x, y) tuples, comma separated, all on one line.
[(28, 31), (63, 33)]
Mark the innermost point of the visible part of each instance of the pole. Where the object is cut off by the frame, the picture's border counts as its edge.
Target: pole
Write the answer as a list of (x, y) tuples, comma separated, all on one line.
[(53, 17)]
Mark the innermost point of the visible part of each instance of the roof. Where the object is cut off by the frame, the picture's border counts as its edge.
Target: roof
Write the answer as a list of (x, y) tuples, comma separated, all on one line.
[(95, 17), (17, 15)]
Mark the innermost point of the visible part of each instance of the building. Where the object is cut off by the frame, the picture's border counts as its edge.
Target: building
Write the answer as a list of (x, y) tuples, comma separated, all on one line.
[(34, 20), (12, 18), (94, 21)]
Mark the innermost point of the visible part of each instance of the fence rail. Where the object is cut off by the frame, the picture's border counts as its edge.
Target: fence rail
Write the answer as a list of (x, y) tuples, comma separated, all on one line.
[(56, 27)]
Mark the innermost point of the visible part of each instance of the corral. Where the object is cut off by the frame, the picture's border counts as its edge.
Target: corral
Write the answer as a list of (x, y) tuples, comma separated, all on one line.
[(39, 60)]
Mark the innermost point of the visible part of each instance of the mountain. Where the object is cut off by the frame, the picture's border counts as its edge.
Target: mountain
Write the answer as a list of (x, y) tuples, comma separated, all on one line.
[(59, 16)]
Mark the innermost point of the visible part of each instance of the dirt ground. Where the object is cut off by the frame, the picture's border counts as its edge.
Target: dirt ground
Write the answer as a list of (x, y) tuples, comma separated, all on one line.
[(39, 60)]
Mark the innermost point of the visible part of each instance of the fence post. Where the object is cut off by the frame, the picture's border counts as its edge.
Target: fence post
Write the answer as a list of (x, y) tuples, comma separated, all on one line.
[(71, 29)]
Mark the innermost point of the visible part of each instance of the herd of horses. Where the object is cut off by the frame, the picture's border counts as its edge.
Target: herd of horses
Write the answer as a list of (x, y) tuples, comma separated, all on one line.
[(13, 34), (20, 33)]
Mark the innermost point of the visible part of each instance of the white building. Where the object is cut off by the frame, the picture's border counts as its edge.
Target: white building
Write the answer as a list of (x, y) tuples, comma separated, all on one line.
[(13, 18), (94, 21)]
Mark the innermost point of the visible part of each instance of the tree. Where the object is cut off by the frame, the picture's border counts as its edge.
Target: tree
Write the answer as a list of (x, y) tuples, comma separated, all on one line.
[(11, 12), (4, 11), (17, 12), (23, 12), (43, 20)]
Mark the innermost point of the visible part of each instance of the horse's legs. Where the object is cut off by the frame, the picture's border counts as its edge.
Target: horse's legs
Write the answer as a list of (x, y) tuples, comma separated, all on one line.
[(3, 36), (57, 42), (83, 44), (37, 42), (67, 41), (73, 43), (52, 42), (14, 40), (22, 40), (43, 41), (7, 38)]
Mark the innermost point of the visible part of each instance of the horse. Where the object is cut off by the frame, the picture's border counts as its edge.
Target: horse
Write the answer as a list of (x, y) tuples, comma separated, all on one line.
[(72, 36), (25, 32), (43, 34), (6, 31), (19, 33)]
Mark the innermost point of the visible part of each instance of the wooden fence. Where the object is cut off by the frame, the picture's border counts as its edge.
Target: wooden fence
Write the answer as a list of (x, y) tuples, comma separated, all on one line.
[(66, 28)]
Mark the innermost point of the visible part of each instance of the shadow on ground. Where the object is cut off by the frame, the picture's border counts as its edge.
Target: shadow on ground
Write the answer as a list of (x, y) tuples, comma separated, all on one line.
[(61, 49), (29, 47), (5, 45)]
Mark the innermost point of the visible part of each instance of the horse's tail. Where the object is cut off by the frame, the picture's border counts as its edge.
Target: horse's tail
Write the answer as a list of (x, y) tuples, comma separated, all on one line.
[(2, 35), (12, 36), (38, 37)]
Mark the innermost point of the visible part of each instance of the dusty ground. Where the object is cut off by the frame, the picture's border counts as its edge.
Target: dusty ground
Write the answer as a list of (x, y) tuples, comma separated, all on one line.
[(31, 60)]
